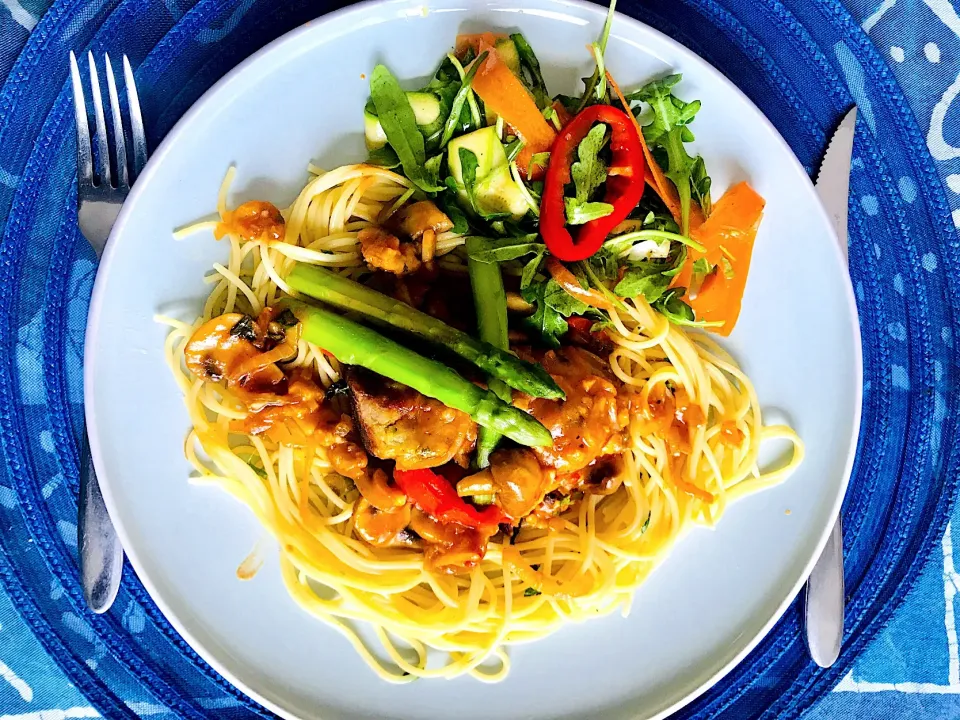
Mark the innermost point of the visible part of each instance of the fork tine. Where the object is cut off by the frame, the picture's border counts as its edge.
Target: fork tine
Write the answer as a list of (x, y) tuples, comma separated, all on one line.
[(136, 120), (84, 156), (103, 150), (118, 139)]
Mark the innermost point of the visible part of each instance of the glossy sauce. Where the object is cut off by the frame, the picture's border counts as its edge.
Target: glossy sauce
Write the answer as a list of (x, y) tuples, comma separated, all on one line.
[(673, 416), (591, 421), (253, 220), (448, 548), (730, 434), (289, 418), (251, 564), (687, 420)]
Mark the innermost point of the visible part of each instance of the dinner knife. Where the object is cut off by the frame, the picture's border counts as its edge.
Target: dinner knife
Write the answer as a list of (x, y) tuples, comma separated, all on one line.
[(824, 606)]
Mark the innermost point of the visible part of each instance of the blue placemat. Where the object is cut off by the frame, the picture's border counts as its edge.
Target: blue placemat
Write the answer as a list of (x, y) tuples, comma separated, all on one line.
[(804, 62)]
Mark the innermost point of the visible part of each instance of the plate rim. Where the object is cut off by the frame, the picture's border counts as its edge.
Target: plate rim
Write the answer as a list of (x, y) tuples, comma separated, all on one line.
[(317, 25)]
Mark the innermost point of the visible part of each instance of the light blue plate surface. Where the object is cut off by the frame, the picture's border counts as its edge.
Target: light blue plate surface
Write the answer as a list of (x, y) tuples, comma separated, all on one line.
[(301, 99)]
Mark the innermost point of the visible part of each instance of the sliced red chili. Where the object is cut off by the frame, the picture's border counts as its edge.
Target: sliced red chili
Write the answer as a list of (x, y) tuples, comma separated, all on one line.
[(438, 498), (624, 184)]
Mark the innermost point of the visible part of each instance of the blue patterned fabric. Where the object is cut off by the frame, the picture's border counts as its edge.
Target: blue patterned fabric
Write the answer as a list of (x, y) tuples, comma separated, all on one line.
[(804, 62)]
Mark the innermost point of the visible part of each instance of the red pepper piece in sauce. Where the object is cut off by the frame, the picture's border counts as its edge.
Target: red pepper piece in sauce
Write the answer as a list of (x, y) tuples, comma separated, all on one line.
[(437, 497), (624, 185)]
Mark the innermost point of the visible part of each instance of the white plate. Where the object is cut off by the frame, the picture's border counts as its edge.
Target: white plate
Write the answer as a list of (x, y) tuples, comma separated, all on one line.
[(300, 99)]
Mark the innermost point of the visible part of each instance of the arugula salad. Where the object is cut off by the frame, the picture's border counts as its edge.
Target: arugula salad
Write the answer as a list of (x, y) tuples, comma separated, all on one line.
[(584, 200)]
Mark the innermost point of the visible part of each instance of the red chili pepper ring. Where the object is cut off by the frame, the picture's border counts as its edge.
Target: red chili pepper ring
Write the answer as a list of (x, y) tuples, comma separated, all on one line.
[(624, 186)]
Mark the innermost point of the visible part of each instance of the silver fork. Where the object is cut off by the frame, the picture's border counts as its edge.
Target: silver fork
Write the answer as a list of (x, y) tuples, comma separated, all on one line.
[(99, 197)]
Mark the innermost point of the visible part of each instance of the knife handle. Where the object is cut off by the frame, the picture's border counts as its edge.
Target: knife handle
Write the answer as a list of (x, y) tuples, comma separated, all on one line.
[(825, 602)]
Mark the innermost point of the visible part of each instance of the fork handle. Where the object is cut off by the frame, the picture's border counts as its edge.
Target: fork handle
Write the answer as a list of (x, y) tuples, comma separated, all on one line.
[(101, 556)]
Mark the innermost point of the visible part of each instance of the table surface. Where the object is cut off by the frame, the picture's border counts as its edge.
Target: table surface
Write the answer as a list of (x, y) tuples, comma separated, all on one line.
[(912, 669)]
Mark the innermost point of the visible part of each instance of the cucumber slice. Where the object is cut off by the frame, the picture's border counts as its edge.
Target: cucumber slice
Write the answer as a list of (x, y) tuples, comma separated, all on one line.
[(483, 143), (373, 132), (426, 110), (496, 190), (507, 50), (426, 107)]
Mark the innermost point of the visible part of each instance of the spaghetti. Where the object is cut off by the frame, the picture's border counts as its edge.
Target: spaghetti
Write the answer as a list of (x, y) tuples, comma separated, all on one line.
[(585, 562)]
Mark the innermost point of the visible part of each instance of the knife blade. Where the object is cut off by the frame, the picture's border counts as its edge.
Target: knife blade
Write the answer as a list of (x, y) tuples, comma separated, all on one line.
[(824, 607), (833, 180)]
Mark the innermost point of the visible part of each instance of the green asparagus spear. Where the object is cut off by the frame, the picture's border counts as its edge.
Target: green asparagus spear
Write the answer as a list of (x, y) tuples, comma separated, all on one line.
[(346, 294), (491, 302), (355, 344)]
